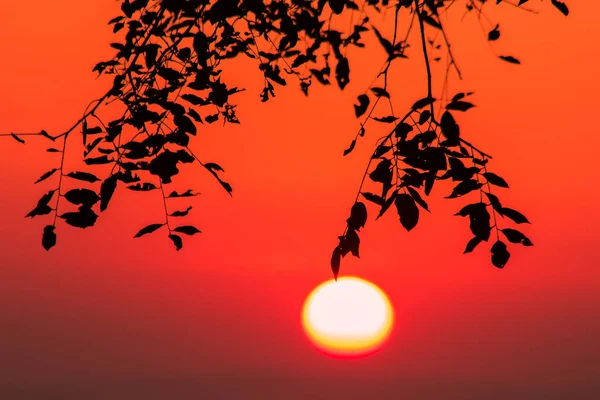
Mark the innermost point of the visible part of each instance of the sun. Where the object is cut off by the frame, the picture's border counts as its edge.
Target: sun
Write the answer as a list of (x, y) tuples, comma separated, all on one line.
[(350, 317)]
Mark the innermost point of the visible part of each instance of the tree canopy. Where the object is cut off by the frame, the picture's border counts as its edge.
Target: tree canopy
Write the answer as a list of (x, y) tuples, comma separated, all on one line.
[(167, 83)]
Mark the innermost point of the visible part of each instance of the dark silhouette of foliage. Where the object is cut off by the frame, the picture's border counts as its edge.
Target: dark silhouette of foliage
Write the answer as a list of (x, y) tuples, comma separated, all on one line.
[(167, 84)]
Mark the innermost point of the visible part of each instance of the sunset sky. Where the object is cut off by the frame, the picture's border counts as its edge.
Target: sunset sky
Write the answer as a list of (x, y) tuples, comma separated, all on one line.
[(106, 316)]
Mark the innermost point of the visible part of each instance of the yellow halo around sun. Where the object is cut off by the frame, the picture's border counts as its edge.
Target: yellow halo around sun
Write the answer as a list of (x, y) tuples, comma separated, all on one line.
[(350, 317)]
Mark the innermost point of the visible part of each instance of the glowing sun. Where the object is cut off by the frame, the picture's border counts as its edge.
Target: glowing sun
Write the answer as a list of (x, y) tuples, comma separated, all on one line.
[(350, 317)]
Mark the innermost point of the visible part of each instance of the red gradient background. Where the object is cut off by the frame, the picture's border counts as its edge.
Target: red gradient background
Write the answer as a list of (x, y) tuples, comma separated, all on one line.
[(104, 316)]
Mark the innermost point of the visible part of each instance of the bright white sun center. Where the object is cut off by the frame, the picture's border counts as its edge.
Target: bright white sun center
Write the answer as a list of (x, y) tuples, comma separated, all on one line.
[(349, 317)]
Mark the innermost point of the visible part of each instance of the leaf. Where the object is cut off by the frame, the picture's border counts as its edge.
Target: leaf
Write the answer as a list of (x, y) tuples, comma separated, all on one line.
[(107, 190), (342, 72), (358, 216), (142, 187), (562, 7), (417, 197), (42, 207), (463, 188), (494, 34), (514, 215), (363, 104), (48, 237), (149, 229), (387, 119), (47, 175), (387, 45), (336, 258), (176, 239), (84, 218), (18, 139), (494, 202), (422, 103), (187, 193), (500, 254), (380, 92), (84, 197), (495, 179), (459, 105), (373, 198), (388, 203), (510, 59), (350, 148), (53, 150), (472, 244), (449, 127), (480, 221), (352, 243), (98, 160), (407, 210), (83, 176), (46, 135), (181, 213), (187, 229), (514, 236), (402, 129)]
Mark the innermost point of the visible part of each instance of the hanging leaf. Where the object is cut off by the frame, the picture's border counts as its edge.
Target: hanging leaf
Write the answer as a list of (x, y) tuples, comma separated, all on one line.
[(500, 254), (187, 229), (514, 215), (373, 198), (472, 244), (84, 197), (42, 207), (83, 176), (336, 258), (46, 175), (358, 216), (422, 103), (562, 7), (18, 139), (176, 241), (84, 218), (417, 197), (380, 92), (494, 34), (514, 236), (464, 188), (107, 190), (363, 105), (510, 59), (350, 148), (459, 105), (495, 179), (48, 237), (181, 213), (407, 210), (148, 229)]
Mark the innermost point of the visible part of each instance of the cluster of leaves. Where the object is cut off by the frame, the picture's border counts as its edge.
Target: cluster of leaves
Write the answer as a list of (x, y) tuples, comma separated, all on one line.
[(167, 82)]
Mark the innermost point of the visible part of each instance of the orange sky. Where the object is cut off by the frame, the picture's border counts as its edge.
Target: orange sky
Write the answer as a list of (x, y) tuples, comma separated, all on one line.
[(105, 316)]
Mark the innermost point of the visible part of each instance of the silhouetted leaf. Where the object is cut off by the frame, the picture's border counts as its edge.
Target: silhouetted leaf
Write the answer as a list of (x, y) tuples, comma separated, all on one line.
[(500, 254), (387, 119), (53, 150), (106, 191), (464, 188), (352, 243), (514, 215), (181, 213), (459, 105), (510, 59), (417, 197), (494, 202), (48, 237), (387, 45), (407, 210), (98, 160), (358, 216), (187, 193), (562, 7), (47, 175), (176, 241), (148, 229), (350, 148), (514, 236), (84, 218), (402, 129), (83, 176), (336, 258), (18, 139), (84, 197), (380, 92), (363, 104), (494, 34), (42, 207), (422, 103), (495, 179), (472, 244), (373, 198), (480, 221), (46, 135), (187, 229), (342, 72), (449, 127), (142, 187)]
